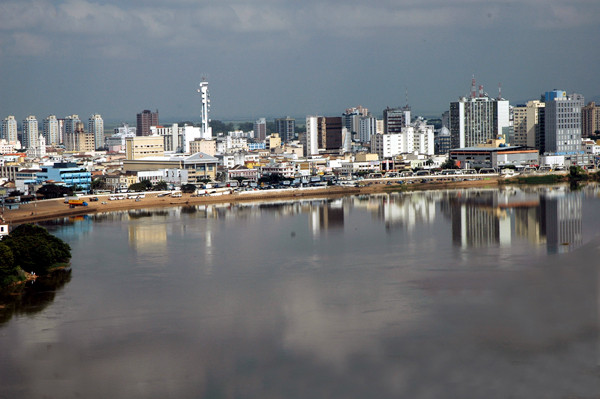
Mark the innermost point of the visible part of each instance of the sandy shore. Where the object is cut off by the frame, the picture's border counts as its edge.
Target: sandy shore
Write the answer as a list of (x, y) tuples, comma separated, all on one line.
[(56, 208)]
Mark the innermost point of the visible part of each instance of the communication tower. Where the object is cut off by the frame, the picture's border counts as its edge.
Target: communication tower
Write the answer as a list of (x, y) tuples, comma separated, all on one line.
[(206, 131)]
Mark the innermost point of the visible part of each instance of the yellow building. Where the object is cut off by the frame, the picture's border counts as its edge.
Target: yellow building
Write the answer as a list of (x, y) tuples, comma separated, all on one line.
[(144, 146), (366, 157), (206, 146), (273, 141), (198, 166)]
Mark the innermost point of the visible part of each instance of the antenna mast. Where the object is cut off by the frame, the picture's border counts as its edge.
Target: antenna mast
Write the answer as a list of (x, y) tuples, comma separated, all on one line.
[(206, 132)]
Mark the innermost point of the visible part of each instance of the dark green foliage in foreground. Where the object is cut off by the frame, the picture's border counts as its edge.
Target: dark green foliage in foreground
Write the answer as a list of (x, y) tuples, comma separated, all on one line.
[(54, 191), (188, 188), (8, 271), (161, 186), (33, 249), (544, 179), (144, 185)]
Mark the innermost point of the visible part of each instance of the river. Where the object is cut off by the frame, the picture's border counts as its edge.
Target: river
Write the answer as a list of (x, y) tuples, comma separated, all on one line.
[(479, 293)]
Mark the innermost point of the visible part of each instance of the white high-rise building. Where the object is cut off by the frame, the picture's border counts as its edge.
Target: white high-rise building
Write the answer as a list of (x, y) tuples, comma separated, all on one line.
[(311, 141), (367, 127), (9, 130), (476, 119), (563, 122), (51, 130), (30, 132), (205, 129), (96, 127)]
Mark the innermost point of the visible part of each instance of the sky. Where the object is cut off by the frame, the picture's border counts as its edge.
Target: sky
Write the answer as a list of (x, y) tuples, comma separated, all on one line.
[(273, 58)]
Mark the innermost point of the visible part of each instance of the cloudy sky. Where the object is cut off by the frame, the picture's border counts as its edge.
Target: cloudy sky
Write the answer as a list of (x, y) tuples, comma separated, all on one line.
[(280, 57)]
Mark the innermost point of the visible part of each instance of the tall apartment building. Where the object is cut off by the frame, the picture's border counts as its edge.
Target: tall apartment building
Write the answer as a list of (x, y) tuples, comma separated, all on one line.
[(351, 118), (96, 127), (260, 129), (310, 142), (394, 119), (286, 127), (69, 126), (519, 125), (29, 132), (367, 127), (563, 122), (590, 120), (79, 140), (51, 130), (9, 130), (145, 119), (476, 119)]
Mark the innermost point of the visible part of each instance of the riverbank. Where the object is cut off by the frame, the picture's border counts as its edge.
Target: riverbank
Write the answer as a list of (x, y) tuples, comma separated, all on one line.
[(56, 208)]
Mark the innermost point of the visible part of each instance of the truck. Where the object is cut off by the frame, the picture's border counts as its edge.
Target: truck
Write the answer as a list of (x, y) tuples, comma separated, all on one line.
[(73, 202)]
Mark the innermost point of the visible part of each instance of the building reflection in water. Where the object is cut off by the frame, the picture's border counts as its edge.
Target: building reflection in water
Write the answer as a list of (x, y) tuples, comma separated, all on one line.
[(494, 217), (561, 216), (326, 216)]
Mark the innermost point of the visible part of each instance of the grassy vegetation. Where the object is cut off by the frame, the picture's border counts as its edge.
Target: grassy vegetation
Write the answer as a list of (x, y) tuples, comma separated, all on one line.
[(534, 179)]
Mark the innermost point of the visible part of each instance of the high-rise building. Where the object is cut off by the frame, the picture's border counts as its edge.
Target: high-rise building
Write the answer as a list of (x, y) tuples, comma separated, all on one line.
[(563, 122), (286, 127), (9, 130), (590, 120), (330, 133), (310, 140), (351, 118), (69, 126), (367, 127), (394, 119), (476, 119), (96, 127), (30, 132), (51, 130), (260, 129), (519, 125), (145, 119)]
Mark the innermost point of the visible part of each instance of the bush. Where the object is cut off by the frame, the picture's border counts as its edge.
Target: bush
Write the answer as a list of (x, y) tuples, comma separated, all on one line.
[(36, 250)]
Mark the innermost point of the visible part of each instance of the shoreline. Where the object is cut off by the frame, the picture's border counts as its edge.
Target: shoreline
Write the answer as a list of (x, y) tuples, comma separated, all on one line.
[(56, 208)]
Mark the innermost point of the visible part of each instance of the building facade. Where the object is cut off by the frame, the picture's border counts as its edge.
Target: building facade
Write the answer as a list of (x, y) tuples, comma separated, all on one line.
[(144, 146), (590, 120), (260, 129), (96, 127), (563, 122), (145, 119), (475, 120), (394, 119), (286, 127), (9, 130), (51, 130), (30, 132)]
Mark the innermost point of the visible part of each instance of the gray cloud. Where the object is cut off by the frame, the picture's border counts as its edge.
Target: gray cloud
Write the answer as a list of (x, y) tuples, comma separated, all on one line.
[(297, 57)]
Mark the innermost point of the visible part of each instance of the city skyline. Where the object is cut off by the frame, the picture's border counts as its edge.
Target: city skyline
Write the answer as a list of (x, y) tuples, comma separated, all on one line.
[(281, 58)]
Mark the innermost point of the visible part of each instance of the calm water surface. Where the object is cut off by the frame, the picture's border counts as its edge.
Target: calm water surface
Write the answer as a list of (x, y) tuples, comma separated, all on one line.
[(445, 294)]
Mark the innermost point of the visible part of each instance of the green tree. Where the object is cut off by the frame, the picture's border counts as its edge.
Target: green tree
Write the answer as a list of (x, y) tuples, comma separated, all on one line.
[(161, 186), (245, 126), (8, 270), (449, 164), (188, 188), (36, 250), (98, 184), (54, 191), (144, 185)]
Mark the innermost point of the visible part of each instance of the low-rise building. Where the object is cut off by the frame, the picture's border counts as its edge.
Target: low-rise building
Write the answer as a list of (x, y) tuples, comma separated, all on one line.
[(199, 166), (494, 157), (68, 173)]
